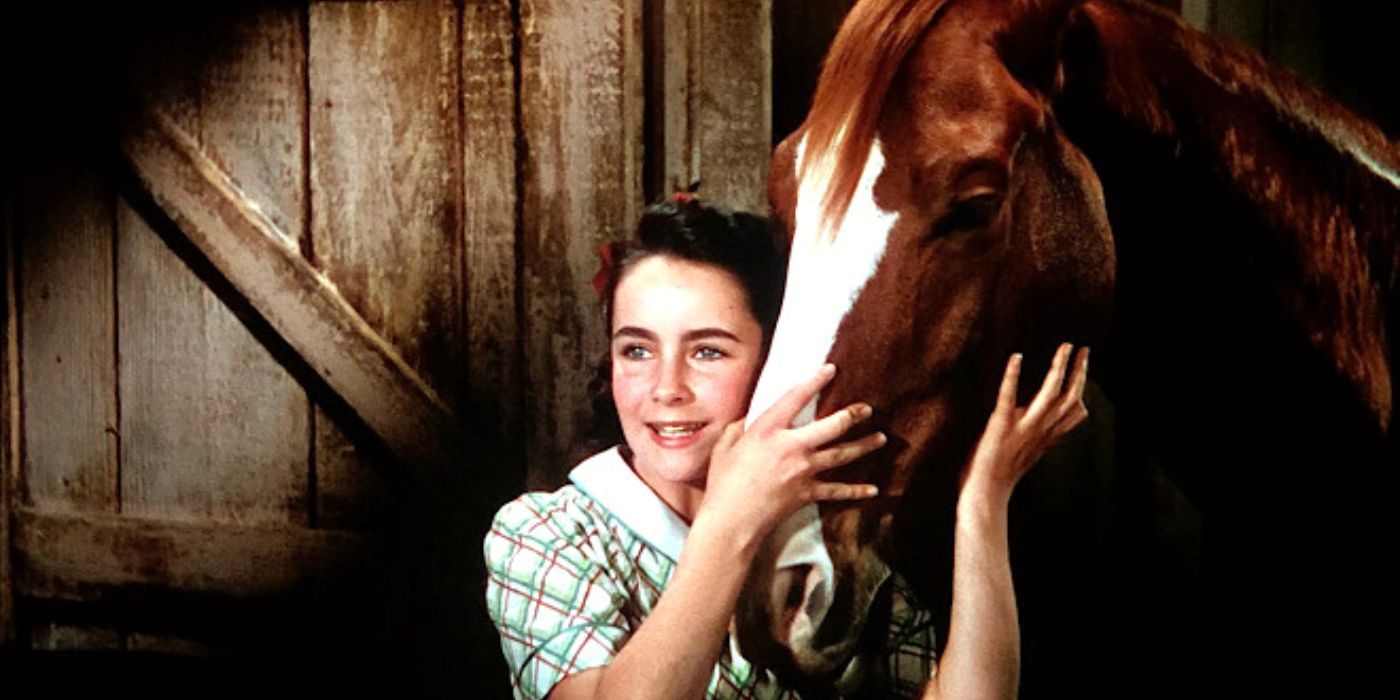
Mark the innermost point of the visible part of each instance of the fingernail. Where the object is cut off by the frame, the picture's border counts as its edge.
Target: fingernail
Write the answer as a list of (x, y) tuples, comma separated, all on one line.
[(828, 369), (881, 438), (864, 411), (871, 491)]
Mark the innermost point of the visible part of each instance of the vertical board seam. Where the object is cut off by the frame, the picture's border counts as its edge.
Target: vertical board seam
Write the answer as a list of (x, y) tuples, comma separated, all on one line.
[(308, 251), (114, 457), (518, 368), (462, 393)]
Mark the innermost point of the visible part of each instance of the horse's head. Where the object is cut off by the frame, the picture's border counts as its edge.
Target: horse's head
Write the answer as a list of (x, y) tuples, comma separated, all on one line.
[(939, 222)]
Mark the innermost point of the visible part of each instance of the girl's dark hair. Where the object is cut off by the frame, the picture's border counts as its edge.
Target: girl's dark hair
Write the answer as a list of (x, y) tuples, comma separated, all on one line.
[(745, 245)]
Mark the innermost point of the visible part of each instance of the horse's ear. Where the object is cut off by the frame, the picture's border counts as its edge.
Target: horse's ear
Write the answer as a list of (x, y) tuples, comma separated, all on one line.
[(1030, 42)]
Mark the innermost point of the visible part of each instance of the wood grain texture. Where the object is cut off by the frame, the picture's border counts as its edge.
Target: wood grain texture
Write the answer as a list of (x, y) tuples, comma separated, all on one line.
[(197, 442), (489, 167), (386, 189), (732, 100), (711, 99), (298, 303), (67, 358), (581, 110), (212, 425), (92, 556)]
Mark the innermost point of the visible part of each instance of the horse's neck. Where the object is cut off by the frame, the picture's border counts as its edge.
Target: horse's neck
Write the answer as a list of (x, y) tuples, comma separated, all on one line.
[(1325, 184)]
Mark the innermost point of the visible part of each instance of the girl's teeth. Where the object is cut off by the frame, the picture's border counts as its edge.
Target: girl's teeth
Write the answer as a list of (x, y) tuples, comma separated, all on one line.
[(675, 430)]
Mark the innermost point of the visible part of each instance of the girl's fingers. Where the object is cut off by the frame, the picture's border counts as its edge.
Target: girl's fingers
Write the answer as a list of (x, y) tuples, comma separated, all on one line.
[(1080, 376), (1073, 416), (826, 491), (820, 432), (1010, 379), (785, 409), (1053, 380), (847, 452), (731, 434)]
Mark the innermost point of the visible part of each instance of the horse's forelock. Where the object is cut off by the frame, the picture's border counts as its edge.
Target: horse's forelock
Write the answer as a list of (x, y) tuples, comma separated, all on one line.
[(867, 52)]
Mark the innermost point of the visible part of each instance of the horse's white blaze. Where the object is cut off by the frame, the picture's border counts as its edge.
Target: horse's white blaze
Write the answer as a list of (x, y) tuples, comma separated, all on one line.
[(825, 275)]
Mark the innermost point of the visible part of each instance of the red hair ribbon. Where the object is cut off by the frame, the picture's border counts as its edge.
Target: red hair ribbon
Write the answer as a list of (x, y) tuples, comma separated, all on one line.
[(683, 197), (607, 266)]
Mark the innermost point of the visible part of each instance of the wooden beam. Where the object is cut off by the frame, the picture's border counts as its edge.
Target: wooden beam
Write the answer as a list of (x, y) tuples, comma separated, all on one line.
[(264, 265), (91, 556)]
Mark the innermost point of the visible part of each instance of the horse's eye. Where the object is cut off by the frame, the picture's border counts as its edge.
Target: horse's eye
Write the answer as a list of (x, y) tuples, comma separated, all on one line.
[(971, 213)]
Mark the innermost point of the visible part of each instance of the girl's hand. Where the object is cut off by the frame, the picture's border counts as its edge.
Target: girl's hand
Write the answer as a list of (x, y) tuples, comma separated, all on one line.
[(1017, 437), (759, 476)]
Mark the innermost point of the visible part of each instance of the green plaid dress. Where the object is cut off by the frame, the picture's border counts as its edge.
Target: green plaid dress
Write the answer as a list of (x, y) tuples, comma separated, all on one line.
[(572, 573)]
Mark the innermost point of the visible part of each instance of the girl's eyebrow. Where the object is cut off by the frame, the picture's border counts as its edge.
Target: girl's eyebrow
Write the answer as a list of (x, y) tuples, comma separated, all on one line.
[(634, 332), (688, 336), (703, 333)]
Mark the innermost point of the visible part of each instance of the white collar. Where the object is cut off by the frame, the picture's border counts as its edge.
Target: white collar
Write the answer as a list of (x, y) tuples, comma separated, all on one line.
[(607, 479)]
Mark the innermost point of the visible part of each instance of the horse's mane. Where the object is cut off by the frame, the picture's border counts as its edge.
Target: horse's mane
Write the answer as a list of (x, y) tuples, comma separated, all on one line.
[(1325, 180), (862, 62)]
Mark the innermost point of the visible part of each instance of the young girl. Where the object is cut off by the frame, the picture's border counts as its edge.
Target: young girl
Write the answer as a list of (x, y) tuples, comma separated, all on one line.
[(622, 584)]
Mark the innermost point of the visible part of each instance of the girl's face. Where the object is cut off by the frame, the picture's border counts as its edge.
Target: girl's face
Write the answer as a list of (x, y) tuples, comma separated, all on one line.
[(685, 352)]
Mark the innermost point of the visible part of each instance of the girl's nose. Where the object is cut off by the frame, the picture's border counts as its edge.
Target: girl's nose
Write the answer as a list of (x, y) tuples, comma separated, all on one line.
[(671, 386)]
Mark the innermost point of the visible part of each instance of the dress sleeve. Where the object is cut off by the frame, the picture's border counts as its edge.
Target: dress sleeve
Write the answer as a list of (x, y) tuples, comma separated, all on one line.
[(558, 608)]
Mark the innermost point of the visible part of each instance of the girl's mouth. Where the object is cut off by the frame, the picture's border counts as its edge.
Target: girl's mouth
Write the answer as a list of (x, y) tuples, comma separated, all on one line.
[(673, 431)]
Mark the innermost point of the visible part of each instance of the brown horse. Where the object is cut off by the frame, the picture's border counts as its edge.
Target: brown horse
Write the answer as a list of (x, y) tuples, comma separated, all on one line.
[(980, 177)]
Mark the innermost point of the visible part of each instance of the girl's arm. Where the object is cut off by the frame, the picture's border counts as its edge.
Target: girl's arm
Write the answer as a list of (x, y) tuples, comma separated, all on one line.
[(756, 479), (983, 655)]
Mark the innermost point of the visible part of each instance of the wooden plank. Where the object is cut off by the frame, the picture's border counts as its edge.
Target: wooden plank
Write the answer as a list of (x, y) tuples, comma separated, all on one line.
[(581, 113), (301, 305), (489, 157), (67, 359), (732, 100), (212, 425), (386, 187), (251, 117), (196, 443), (95, 556), (715, 97)]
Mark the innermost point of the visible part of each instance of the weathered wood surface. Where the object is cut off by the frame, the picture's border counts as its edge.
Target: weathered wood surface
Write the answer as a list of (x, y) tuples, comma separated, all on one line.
[(581, 108), (197, 443), (68, 360), (714, 100), (10, 428), (89, 557), (404, 202), (491, 209), (212, 427), (386, 188), (298, 302)]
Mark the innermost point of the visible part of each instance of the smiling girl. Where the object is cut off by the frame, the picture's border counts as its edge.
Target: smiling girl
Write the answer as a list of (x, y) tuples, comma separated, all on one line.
[(622, 584)]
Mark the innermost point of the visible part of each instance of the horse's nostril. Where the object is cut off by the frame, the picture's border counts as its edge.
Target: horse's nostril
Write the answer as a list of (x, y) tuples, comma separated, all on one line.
[(796, 588)]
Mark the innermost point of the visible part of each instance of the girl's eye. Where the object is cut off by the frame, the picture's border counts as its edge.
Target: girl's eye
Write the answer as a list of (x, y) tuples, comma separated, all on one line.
[(709, 353), (635, 352)]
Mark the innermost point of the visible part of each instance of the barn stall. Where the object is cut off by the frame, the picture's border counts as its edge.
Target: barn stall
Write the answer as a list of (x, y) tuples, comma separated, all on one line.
[(297, 293)]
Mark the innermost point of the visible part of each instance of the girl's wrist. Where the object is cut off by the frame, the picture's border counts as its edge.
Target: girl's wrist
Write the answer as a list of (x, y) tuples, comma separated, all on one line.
[(982, 501), (731, 534)]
